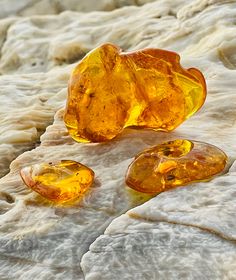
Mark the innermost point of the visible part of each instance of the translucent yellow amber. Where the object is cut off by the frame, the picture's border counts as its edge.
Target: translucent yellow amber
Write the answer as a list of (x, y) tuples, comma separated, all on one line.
[(58, 181), (110, 90), (174, 163)]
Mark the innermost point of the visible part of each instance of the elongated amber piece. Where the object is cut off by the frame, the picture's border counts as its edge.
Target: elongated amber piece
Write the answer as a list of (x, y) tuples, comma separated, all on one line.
[(174, 163), (58, 181), (110, 90)]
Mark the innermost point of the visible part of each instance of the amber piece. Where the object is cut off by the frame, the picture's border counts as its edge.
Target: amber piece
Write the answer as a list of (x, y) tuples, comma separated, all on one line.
[(58, 181), (174, 163), (110, 90)]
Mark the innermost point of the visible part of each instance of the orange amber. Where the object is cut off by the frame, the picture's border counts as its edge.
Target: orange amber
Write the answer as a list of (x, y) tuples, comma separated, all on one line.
[(59, 181), (174, 163), (110, 90)]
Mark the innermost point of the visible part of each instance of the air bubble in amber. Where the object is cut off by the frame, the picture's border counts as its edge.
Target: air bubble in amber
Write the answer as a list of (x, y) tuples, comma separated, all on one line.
[(58, 181), (110, 90), (174, 163)]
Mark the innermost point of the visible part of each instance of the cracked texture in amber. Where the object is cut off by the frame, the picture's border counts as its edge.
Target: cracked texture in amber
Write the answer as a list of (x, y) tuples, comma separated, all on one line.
[(58, 181), (110, 90), (174, 163)]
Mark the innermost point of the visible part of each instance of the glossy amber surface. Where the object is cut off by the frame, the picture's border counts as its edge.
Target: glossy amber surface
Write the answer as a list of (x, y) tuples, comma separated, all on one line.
[(110, 90), (58, 181), (174, 163)]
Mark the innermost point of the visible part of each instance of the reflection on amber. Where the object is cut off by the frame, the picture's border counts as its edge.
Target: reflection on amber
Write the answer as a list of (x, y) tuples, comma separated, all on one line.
[(174, 163), (110, 90), (58, 181)]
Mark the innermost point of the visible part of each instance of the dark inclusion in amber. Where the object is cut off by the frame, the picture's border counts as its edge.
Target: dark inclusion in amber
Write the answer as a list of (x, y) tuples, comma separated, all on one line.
[(110, 90), (174, 163), (58, 181)]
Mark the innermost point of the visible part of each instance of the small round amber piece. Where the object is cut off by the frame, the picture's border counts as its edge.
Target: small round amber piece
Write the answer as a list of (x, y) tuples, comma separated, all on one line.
[(110, 90), (174, 163), (58, 181)]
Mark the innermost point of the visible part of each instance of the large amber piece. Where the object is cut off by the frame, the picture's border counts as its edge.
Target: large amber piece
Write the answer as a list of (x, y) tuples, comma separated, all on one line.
[(110, 90), (174, 163), (58, 181)]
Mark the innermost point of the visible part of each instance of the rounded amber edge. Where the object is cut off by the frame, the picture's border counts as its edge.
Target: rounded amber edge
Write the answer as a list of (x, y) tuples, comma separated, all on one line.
[(132, 185)]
